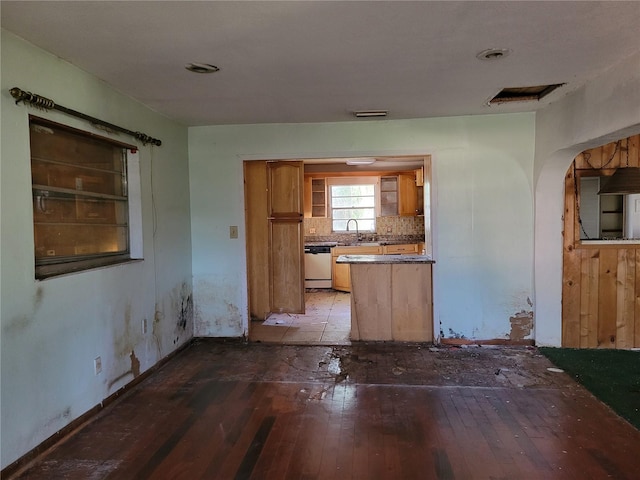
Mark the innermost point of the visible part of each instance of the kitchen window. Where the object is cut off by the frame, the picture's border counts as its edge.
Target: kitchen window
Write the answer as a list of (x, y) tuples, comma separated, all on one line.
[(353, 198), (80, 199)]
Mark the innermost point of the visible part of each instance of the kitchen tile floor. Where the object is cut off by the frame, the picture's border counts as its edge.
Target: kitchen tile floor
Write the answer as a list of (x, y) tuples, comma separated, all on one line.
[(327, 321)]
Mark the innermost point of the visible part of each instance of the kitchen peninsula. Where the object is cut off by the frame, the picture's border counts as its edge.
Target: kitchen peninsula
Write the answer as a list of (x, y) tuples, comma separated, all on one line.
[(391, 297)]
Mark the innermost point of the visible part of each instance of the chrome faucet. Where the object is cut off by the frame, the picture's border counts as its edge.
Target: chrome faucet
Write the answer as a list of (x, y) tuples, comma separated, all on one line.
[(357, 232)]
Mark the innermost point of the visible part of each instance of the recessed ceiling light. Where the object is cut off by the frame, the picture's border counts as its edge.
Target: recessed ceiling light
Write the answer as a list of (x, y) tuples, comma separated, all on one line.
[(493, 53), (201, 68), (370, 113)]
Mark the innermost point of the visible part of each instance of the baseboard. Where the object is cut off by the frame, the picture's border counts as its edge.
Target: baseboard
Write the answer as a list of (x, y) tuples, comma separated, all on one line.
[(494, 341), (26, 459)]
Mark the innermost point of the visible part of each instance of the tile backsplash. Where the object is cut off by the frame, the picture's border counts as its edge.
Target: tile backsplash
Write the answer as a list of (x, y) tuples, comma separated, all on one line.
[(385, 226)]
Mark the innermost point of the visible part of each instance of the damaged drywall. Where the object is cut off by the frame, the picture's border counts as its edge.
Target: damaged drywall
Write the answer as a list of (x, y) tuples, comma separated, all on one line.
[(521, 325), (217, 312)]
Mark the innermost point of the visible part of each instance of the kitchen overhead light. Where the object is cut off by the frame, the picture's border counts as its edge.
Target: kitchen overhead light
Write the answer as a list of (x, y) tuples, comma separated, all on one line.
[(493, 53), (370, 113), (361, 161), (201, 68)]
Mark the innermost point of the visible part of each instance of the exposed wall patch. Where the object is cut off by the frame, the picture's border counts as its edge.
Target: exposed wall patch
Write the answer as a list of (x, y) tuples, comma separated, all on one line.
[(521, 325)]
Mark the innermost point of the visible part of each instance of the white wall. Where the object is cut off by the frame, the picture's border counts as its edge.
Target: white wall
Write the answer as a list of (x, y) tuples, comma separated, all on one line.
[(52, 330), (483, 211), (604, 110)]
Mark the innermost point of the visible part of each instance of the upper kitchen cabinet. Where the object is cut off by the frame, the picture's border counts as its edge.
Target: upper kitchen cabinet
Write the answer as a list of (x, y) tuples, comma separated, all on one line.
[(401, 183), (408, 198), (401, 195), (420, 177), (389, 196), (315, 197)]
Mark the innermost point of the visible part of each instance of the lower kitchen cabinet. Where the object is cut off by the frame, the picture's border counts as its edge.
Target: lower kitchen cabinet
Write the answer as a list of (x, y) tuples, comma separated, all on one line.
[(406, 249), (340, 273)]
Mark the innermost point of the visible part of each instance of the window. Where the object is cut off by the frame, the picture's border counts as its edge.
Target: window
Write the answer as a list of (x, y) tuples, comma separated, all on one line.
[(80, 201), (607, 216), (352, 198)]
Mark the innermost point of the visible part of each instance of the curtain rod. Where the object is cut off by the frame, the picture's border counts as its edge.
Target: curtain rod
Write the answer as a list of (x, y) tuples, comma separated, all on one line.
[(44, 103)]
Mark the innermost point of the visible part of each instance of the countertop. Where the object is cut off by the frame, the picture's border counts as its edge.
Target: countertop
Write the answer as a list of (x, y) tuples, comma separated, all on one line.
[(384, 259)]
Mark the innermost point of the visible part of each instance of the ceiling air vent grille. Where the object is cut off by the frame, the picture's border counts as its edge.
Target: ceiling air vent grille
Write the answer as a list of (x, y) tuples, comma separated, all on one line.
[(524, 94)]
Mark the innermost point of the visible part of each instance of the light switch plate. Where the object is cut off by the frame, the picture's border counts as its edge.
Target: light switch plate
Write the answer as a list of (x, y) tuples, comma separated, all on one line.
[(233, 231)]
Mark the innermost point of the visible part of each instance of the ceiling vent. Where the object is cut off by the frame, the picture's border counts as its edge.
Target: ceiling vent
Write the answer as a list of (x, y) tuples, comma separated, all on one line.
[(524, 94), (370, 113), (201, 68)]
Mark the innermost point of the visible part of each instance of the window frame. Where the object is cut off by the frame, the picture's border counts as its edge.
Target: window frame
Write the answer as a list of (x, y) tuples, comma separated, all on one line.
[(60, 265), (354, 180)]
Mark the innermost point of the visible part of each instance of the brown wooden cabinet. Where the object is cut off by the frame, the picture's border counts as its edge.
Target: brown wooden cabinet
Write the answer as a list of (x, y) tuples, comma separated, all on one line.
[(315, 197), (420, 177), (392, 301), (340, 272), (408, 197), (406, 249), (275, 237)]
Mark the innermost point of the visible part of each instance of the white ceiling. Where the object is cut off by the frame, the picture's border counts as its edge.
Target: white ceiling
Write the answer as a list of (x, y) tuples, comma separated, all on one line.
[(310, 61)]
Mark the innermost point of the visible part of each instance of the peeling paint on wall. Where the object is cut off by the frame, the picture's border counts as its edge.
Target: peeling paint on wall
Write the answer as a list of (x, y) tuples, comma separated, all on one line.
[(135, 364), (123, 343), (521, 325), (134, 371)]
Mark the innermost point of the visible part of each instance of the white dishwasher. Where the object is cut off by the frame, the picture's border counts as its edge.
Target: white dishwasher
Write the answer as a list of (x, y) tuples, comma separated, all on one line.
[(317, 266)]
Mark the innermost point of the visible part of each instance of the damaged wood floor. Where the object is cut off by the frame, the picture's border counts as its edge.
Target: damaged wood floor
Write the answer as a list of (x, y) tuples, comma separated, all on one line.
[(366, 411)]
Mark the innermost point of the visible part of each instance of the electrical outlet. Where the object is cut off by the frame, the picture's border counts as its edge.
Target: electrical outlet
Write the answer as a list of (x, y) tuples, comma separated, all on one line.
[(233, 231), (144, 326), (97, 365), (312, 230), (389, 229)]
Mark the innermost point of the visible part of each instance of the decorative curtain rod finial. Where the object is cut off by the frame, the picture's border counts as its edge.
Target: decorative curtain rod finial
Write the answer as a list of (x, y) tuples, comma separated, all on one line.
[(45, 103), (32, 99)]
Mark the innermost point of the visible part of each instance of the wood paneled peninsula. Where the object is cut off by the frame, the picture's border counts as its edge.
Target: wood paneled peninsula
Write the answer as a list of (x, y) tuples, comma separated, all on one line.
[(391, 297)]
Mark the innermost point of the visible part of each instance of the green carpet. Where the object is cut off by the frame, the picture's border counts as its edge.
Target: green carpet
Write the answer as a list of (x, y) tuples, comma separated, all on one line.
[(611, 375)]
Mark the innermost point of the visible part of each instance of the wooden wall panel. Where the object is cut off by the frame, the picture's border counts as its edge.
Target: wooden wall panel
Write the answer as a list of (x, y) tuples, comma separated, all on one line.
[(636, 316), (570, 273), (601, 288), (607, 298), (589, 277), (633, 149), (626, 282)]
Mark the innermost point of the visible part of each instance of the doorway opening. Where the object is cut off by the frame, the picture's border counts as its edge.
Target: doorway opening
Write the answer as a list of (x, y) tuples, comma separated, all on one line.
[(295, 205)]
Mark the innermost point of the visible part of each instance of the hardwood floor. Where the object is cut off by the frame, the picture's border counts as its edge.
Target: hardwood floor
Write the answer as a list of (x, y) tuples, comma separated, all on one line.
[(365, 411), (327, 321)]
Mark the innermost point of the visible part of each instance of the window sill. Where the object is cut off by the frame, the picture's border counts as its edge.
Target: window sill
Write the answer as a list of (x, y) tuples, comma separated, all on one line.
[(44, 272)]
